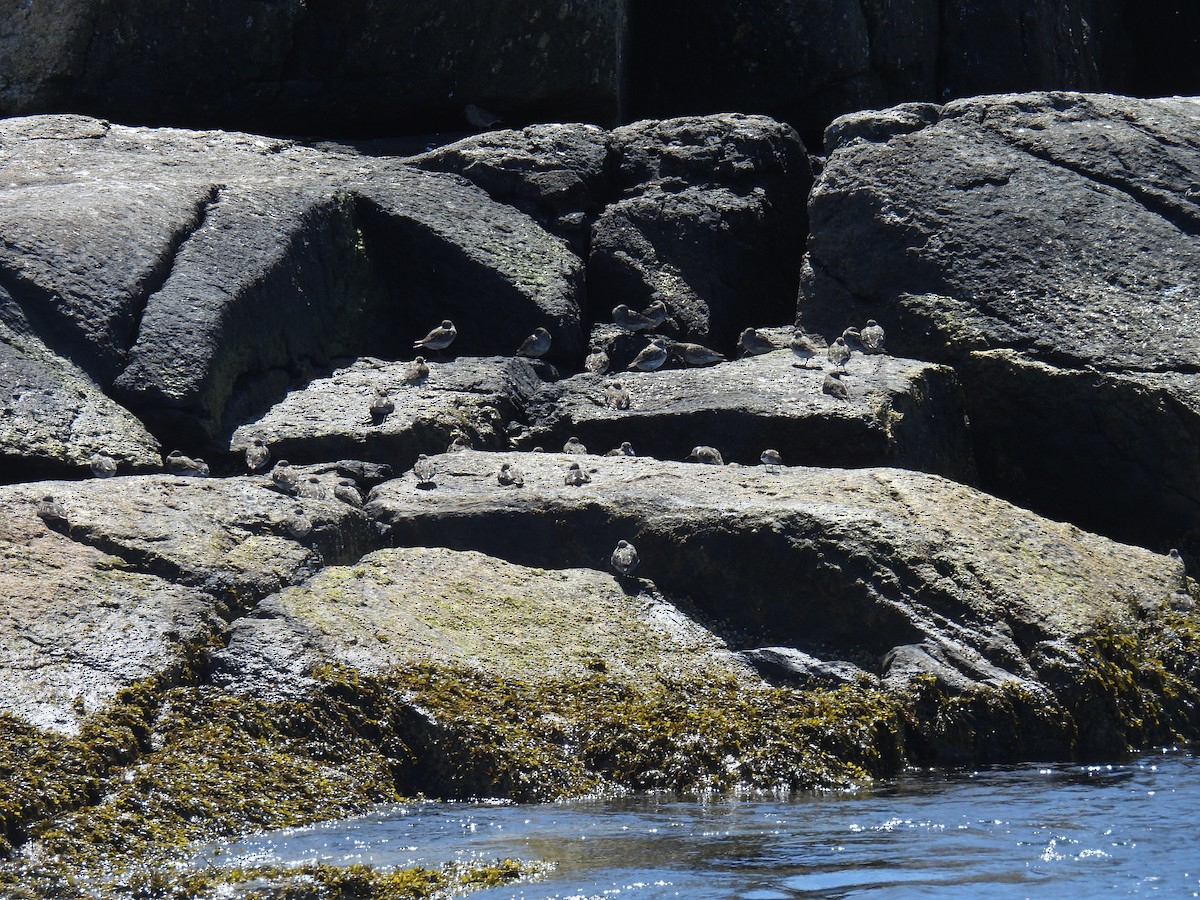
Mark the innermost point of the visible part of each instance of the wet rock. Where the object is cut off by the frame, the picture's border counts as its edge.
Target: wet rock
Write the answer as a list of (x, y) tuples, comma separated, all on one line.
[(329, 418), (899, 412), (792, 666), (1059, 226), (841, 564)]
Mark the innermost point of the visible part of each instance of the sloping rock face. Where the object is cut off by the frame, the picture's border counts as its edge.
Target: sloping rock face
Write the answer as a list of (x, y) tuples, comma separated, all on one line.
[(944, 232), (241, 262), (313, 67), (705, 214), (471, 398), (898, 412)]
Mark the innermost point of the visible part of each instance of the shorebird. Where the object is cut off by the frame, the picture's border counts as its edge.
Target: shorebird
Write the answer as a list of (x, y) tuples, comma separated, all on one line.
[(478, 117), (656, 312), (755, 343), (459, 444), (772, 460), (298, 525), (873, 337), (574, 445), (695, 354), (440, 338), (415, 371), (510, 475), (51, 511), (103, 465), (839, 353), (616, 396), (381, 407), (596, 362), (347, 491), (284, 477), (652, 357), (834, 387), (312, 488), (803, 348), (425, 470), (625, 558), (576, 476), (708, 455), (257, 455), (185, 466), (631, 320), (626, 449), (537, 344), (853, 338)]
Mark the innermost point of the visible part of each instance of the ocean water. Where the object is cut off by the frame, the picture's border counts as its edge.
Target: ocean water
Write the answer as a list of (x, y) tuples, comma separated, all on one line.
[(1030, 831)]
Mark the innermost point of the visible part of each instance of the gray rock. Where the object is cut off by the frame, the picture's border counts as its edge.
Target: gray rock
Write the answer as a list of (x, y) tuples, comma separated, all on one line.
[(900, 412), (803, 670), (860, 563), (328, 418), (1058, 226)]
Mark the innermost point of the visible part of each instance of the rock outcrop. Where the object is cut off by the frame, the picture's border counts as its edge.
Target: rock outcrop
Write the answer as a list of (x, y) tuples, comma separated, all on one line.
[(943, 230)]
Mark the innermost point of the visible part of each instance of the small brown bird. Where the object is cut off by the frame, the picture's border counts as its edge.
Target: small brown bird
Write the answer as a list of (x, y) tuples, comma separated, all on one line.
[(803, 348), (616, 396), (51, 511), (652, 357), (478, 117), (185, 466), (510, 475), (596, 362), (771, 459), (695, 354), (656, 312), (284, 477), (834, 387), (440, 338), (381, 407), (576, 476), (755, 343), (853, 338), (257, 455), (631, 320), (574, 445), (103, 465), (459, 444), (625, 558), (415, 372), (347, 491), (298, 524), (839, 353), (873, 337), (312, 488), (536, 345), (626, 449), (424, 470), (708, 455)]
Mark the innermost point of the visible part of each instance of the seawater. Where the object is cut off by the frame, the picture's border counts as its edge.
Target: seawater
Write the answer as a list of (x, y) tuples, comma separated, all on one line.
[(1030, 831)]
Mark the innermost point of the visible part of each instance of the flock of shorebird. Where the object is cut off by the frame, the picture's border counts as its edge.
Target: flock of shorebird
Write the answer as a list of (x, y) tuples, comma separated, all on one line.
[(751, 342)]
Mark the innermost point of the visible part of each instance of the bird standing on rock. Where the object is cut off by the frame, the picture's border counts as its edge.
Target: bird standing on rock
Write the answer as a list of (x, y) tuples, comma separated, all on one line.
[(616, 396), (103, 465), (298, 525), (631, 320), (576, 476), (417, 370), (347, 491), (574, 445), (536, 345), (695, 354), (185, 466), (510, 475), (478, 117), (459, 444), (381, 407), (803, 348), (440, 338), (257, 455), (424, 470), (839, 353), (625, 558), (284, 477), (873, 337), (755, 343), (708, 455), (771, 459), (596, 362), (626, 449), (656, 312), (834, 387), (652, 357), (51, 511), (853, 338)]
